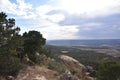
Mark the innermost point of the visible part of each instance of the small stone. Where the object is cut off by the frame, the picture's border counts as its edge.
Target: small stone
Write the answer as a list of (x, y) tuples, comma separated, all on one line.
[(9, 78)]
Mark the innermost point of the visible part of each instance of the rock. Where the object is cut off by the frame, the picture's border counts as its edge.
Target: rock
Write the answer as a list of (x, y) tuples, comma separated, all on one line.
[(40, 78), (9, 78), (77, 69), (88, 78), (66, 76)]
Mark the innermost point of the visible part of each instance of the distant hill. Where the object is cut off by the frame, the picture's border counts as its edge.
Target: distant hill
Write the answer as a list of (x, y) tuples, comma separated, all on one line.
[(100, 42)]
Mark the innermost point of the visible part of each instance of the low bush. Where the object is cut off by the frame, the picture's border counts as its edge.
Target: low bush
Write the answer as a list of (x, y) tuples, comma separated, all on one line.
[(73, 72), (9, 65), (56, 66)]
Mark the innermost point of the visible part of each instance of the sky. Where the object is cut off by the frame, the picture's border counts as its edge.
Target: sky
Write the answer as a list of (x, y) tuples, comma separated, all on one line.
[(66, 19)]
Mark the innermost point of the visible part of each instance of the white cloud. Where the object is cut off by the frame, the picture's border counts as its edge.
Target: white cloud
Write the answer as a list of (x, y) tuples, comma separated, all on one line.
[(90, 8), (85, 8), (43, 9), (52, 30), (30, 15), (21, 8), (59, 32), (23, 5), (38, 19), (7, 6), (56, 17)]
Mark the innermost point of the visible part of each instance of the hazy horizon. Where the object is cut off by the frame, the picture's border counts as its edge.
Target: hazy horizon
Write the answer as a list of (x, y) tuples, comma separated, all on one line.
[(81, 39)]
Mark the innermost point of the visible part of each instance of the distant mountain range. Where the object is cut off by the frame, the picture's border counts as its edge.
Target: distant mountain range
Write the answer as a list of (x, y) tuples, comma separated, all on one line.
[(100, 42)]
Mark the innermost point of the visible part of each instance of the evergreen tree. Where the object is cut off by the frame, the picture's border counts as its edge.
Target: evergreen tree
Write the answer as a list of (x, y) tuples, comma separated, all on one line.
[(33, 41), (9, 41), (7, 29)]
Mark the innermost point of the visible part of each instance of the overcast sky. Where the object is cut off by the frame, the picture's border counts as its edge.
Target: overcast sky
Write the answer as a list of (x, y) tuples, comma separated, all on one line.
[(66, 19)]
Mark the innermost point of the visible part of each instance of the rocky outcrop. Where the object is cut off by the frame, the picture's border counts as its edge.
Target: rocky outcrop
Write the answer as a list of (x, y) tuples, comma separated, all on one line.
[(73, 71), (67, 76), (76, 69)]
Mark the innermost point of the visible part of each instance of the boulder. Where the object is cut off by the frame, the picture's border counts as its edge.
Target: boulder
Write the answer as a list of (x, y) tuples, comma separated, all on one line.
[(66, 76), (75, 67)]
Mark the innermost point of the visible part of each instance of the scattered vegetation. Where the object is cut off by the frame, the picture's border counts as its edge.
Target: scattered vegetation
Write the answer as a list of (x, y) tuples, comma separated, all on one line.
[(88, 58), (14, 47), (57, 66), (109, 71)]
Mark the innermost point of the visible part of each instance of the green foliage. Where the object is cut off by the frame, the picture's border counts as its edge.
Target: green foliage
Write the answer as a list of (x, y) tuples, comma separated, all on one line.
[(56, 66), (92, 58), (109, 71), (9, 65), (7, 29), (9, 42), (33, 40), (45, 51), (73, 72), (15, 43), (9, 37), (32, 57)]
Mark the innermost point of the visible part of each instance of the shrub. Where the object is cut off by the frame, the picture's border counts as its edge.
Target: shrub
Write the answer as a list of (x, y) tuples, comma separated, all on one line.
[(109, 71), (73, 72), (56, 66), (9, 65)]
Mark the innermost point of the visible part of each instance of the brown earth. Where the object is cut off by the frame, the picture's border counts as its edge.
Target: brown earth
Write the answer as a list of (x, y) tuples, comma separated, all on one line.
[(36, 73)]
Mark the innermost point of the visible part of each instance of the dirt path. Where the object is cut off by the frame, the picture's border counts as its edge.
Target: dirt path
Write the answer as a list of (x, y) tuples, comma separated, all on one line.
[(36, 73)]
